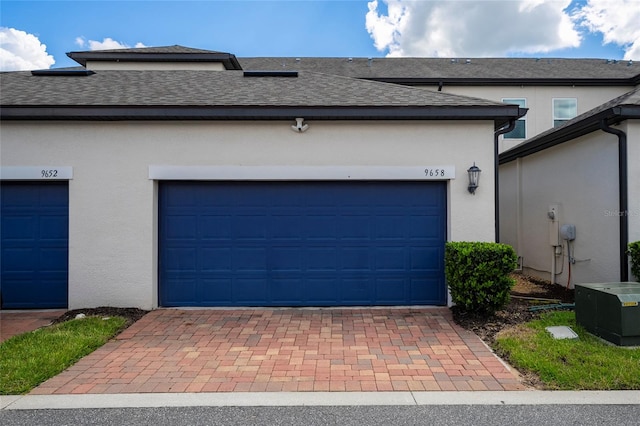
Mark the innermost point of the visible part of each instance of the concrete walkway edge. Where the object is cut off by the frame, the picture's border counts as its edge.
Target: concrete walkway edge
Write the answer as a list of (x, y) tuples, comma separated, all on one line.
[(265, 399)]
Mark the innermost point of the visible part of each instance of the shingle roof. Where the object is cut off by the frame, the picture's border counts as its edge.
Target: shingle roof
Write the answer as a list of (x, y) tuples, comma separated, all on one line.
[(474, 70), (624, 107), (232, 91)]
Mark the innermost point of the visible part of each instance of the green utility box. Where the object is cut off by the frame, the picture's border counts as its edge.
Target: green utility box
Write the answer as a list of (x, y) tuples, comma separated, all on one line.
[(610, 310)]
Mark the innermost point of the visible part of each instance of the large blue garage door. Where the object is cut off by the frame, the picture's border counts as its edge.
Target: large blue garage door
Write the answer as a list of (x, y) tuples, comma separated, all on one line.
[(301, 243), (34, 239)]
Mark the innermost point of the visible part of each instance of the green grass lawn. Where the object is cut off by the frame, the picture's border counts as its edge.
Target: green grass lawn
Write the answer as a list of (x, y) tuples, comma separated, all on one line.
[(31, 358), (577, 364)]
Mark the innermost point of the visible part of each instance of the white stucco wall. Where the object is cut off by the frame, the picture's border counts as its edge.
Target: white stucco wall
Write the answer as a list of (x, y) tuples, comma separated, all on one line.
[(581, 177), (539, 100), (113, 203)]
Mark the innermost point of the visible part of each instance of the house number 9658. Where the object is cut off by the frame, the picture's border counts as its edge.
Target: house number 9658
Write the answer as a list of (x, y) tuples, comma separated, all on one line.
[(51, 173), (434, 172)]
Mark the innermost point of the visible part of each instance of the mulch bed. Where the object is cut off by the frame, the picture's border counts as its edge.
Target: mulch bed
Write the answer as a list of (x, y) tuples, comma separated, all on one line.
[(130, 314), (517, 310)]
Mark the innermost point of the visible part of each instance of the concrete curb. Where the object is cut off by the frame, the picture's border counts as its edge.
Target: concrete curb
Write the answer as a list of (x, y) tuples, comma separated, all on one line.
[(266, 399)]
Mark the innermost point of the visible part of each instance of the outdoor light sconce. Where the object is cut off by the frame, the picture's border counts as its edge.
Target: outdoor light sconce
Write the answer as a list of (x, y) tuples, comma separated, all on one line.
[(474, 178)]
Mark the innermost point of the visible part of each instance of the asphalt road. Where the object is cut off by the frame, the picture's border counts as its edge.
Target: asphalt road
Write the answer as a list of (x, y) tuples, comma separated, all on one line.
[(494, 415)]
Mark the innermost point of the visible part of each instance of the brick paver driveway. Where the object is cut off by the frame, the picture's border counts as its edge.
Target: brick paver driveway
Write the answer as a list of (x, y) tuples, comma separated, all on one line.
[(171, 350)]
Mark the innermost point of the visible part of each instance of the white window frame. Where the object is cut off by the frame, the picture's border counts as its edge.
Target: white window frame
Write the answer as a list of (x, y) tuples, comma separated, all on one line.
[(561, 119), (513, 101)]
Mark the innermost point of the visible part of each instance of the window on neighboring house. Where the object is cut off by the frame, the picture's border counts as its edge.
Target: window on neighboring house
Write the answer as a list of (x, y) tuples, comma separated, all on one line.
[(520, 130), (564, 109)]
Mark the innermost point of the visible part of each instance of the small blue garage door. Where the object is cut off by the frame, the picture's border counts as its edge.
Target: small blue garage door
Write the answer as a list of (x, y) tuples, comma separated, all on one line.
[(34, 238), (301, 243)]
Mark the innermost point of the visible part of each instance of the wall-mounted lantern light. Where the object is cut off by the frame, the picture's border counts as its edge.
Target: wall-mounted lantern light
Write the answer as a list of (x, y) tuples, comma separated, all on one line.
[(474, 178)]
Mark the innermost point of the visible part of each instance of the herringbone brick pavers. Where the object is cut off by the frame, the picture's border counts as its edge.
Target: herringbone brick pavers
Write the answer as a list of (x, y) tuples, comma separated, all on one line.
[(263, 350)]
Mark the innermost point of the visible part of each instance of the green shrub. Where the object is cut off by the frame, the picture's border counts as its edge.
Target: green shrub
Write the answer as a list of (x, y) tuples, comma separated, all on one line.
[(634, 253), (478, 274)]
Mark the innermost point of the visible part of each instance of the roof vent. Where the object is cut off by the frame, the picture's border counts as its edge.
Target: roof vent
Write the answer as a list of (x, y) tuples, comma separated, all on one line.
[(629, 63), (62, 73), (350, 60), (454, 61), (276, 73), (468, 61)]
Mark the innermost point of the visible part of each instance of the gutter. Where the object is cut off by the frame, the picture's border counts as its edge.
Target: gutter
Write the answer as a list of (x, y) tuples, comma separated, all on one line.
[(496, 188), (499, 114), (623, 201)]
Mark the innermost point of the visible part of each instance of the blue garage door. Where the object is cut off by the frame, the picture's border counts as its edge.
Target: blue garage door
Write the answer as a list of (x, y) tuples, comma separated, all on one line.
[(301, 243), (34, 237)]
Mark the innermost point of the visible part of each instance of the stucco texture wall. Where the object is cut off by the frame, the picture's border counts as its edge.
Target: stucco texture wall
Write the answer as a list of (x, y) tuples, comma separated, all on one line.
[(581, 178), (113, 203)]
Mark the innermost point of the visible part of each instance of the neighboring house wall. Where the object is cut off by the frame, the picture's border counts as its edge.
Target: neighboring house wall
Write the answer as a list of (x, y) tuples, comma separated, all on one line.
[(581, 178), (113, 204), (633, 147), (539, 100)]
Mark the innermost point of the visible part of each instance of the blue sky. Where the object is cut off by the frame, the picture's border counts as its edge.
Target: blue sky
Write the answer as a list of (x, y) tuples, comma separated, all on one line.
[(321, 28)]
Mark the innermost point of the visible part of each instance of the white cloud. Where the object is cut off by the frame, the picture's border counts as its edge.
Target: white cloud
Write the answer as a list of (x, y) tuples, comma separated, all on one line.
[(618, 21), (106, 43), (471, 28), (22, 51)]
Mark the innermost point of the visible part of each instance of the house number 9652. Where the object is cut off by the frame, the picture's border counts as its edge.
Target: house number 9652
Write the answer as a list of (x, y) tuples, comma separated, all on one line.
[(50, 173)]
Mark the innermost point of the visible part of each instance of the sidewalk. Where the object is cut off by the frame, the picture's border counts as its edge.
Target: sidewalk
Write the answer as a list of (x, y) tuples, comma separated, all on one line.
[(267, 399)]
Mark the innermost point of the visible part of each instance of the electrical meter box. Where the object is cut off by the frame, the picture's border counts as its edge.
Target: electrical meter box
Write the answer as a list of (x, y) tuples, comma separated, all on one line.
[(610, 310)]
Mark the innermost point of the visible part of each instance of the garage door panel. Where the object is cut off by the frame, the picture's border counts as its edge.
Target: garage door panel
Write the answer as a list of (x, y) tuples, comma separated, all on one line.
[(355, 259), (215, 227), (183, 291), (34, 240), (54, 227), (356, 291), (250, 291), (321, 259), (18, 259), (285, 259), (306, 243), (53, 259), (393, 259), (180, 259), (286, 291), (181, 227), (215, 260), (216, 291), (391, 291), (18, 227), (426, 259), (321, 291), (426, 291)]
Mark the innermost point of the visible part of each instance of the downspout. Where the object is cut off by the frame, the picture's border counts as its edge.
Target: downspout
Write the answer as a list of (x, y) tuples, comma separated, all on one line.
[(496, 181), (623, 201)]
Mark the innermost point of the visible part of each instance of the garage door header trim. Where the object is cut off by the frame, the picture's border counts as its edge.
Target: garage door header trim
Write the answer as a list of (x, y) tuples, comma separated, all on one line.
[(36, 173), (275, 173)]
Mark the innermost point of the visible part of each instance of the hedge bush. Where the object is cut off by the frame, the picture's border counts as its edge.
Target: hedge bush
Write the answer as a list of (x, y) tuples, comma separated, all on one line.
[(478, 275), (634, 254)]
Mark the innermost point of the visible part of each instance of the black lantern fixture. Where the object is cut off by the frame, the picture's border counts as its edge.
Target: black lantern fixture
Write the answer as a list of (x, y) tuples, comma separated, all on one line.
[(474, 178)]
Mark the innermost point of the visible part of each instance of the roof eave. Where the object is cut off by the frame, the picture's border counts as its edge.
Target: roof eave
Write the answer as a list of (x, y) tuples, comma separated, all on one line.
[(499, 114), (506, 81), (613, 115)]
